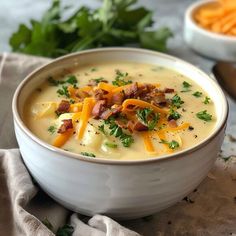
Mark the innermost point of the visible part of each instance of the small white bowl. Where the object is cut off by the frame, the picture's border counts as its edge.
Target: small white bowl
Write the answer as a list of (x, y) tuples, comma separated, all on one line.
[(122, 189), (207, 43)]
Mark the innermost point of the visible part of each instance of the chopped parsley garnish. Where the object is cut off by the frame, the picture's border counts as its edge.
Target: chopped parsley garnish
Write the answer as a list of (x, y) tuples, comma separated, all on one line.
[(54, 82), (71, 79), (207, 100), (203, 115), (172, 145), (117, 131), (176, 101), (72, 101), (111, 145), (88, 154), (186, 87), (63, 91), (197, 94), (148, 117), (173, 114), (93, 69), (98, 80), (102, 128), (52, 129), (120, 79)]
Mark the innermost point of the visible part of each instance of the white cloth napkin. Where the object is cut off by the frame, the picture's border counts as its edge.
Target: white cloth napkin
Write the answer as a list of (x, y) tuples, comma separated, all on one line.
[(22, 205), (209, 210), (21, 192)]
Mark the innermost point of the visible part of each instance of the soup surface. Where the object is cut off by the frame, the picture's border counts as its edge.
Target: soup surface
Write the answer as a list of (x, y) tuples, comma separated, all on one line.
[(120, 110)]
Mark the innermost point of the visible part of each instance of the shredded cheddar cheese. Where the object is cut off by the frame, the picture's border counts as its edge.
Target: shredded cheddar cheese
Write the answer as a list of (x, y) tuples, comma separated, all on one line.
[(85, 115)]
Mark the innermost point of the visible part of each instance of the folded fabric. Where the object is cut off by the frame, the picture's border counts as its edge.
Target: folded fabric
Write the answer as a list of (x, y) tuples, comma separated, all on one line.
[(99, 226), (21, 200)]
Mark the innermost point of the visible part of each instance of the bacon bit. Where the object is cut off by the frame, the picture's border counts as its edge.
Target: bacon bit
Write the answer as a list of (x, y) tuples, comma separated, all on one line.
[(99, 108), (118, 98), (169, 90), (109, 112), (158, 99), (131, 91), (138, 126), (99, 94), (63, 107), (130, 126), (172, 123), (106, 114), (116, 109), (145, 89), (67, 124)]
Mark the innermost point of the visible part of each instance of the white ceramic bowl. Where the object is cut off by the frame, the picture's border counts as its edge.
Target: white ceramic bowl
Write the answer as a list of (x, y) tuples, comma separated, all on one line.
[(121, 189), (207, 43)]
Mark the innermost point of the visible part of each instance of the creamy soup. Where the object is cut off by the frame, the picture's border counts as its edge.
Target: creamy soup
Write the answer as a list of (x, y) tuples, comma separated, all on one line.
[(120, 110)]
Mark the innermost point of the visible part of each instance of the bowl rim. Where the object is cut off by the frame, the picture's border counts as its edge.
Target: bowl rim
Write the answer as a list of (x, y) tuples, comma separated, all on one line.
[(20, 124), (189, 16)]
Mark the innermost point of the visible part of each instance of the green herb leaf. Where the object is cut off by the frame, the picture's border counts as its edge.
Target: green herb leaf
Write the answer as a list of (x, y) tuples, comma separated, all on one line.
[(186, 84), (126, 139), (120, 79), (98, 80), (52, 129), (148, 117), (116, 131), (54, 82), (88, 154), (172, 145), (173, 114), (102, 129), (203, 115), (197, 94), (71, 79), (186, 87), (66, 230), (176, 101), (155, 40), (111, 145), (64, 92), (207, 100)]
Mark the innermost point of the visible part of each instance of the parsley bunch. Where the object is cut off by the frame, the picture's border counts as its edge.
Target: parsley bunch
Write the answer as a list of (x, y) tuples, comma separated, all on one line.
[(115, 23)]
